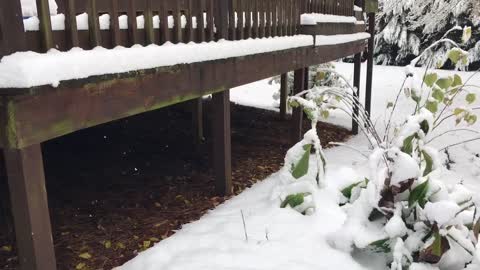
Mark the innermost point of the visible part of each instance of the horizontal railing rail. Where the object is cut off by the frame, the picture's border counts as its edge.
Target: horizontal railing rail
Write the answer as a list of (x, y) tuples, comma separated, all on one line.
[(129, 22)]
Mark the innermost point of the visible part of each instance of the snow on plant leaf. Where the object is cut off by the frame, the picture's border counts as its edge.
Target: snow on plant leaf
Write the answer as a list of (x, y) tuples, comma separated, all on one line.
[(467, 34), (434, 252), (301, 168), (293, 200), (418, 195), (380, 246), (471, 119), (347, 192), (428, 163), (430, 79), (408, 144)]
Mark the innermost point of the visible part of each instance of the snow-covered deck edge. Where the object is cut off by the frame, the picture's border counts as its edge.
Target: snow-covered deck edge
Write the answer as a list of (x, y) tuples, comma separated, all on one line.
[(321, 40), (30, 69), (314, 18)]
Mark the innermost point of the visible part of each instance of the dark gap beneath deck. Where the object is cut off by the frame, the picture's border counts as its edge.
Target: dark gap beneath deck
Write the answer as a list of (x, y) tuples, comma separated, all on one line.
[(141, 177)]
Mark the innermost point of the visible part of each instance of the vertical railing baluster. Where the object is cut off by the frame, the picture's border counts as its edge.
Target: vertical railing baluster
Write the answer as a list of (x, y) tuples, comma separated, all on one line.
[(248, 18), (273, 4), (189, 27), (255, 18), (177, 22), (268, 11), (93, 24), (200, 21), (114, 26), (132, 22), (71, 30), (163, 16), (261, 12), (231, 19), (43, 11), (241, 21), (148, 18), (210, 22)]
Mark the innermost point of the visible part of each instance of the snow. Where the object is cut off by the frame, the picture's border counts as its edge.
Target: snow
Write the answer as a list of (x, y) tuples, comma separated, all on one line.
[(27, 69), (441, 212), (29, 7), (314, 18), (322, 40)]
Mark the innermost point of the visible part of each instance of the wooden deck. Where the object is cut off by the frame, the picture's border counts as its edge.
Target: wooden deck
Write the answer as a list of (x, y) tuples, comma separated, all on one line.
[(31, 116)]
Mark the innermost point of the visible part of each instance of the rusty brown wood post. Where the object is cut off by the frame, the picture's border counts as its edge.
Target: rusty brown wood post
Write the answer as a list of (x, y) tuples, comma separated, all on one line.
[(43, 11), (283, 95), (356, 84), (297, 113), (30, 208), (222, 149), (12, 35), (371, 44)]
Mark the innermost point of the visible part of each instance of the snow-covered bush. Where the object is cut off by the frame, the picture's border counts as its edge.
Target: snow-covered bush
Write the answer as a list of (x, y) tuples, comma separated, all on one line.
[(402, 210), (405, 28)]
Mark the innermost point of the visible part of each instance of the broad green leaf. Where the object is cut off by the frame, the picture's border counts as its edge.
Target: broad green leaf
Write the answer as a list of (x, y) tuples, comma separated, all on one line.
[(430, 79), (428, 163), (309, 113), (80, 266), (455, 55), (432, 106), (425, 126), (347, 192), (438, 95), (85, 255), (416, 98), (433, 253), (445, 83), (457, 80), (293, 200), (418, 195), (408, 145), (301, 168), (470, 98), (380, 246), (146, 244)]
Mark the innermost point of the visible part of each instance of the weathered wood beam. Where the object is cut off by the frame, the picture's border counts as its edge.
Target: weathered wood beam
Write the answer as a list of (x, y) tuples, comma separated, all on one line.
[(102, 99), (30, 208)]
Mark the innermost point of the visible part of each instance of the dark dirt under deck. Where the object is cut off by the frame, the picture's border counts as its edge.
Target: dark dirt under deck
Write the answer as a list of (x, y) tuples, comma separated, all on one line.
[(117, 188)]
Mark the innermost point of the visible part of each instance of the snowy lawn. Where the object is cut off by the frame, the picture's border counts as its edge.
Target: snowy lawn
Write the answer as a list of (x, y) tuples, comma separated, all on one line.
[(282, 238)]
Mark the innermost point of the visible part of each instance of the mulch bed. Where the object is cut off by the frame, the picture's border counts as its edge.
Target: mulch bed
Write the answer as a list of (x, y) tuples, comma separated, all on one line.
[(116, 189)]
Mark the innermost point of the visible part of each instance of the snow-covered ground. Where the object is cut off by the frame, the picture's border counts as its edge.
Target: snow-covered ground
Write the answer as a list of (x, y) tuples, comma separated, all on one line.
[(282, 238)]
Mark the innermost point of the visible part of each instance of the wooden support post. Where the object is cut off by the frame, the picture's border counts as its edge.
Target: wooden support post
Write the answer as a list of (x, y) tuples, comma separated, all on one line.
[(368, 89), (221, 141), (283, 95), (12, 35), (197, 120), (30, 208), (356, 83), (45, 26), (297, 113)]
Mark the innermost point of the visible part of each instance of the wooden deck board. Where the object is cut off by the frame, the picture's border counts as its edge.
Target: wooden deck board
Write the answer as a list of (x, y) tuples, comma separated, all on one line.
[(30, 116)]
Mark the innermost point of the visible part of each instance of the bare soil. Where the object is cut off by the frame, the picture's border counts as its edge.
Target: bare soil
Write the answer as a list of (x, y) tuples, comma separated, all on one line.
[(116, 189)]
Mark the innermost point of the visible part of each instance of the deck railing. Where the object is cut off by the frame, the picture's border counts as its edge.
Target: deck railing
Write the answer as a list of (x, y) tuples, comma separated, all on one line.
[(146, 22)]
